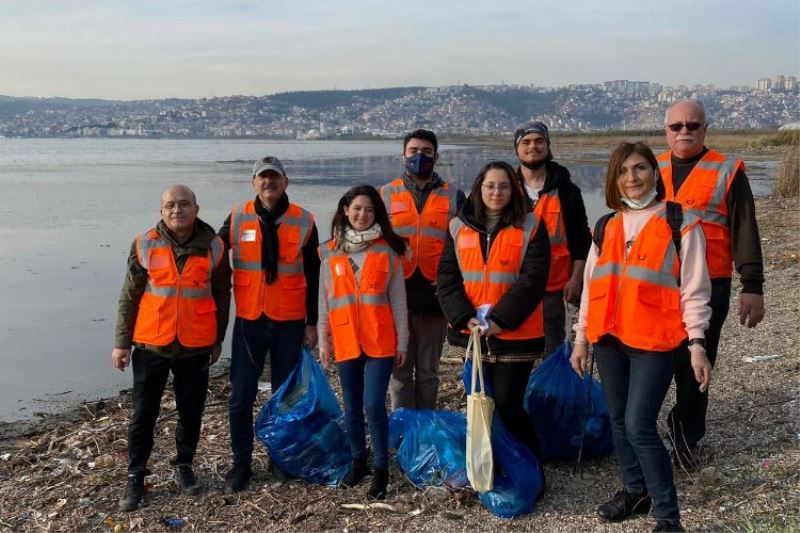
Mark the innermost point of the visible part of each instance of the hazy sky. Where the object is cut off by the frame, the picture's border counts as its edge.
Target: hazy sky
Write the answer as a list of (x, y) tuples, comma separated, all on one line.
[(137, 49)]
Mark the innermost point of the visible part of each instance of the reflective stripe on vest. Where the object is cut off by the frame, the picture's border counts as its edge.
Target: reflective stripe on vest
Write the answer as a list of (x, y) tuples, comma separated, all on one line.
[(176, 304), (636, 298), (548, 209), (285, 299), (426, 231), (359, 312), (487, 281), (704, 194)]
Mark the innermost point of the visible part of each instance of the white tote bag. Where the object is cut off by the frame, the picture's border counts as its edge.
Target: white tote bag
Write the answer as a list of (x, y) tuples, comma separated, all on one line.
[(480, 407)]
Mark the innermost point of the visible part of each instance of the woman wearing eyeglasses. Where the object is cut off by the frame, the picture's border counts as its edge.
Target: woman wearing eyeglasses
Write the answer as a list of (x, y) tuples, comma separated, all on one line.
[(646, 290), (497, 254)]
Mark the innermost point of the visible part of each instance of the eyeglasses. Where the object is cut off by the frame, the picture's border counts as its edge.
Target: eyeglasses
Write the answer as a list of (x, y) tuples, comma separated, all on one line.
[(502, 188), (678, 126), (169, 206)]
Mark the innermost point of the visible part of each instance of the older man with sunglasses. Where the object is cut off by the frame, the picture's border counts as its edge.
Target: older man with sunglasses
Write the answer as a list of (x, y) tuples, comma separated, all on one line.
[(714, 187)]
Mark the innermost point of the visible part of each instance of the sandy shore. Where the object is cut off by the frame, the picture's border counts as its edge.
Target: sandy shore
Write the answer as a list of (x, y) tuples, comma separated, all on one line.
[(67, 473)]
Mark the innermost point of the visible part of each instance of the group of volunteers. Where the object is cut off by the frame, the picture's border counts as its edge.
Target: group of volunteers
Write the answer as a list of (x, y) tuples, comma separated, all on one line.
[(410, 264)]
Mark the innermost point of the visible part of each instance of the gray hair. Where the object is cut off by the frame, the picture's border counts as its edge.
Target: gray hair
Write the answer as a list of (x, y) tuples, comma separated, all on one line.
[(697, 103), (180, 186)]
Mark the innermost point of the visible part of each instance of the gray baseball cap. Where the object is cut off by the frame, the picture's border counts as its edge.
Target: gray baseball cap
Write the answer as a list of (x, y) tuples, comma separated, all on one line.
[(268, 163)]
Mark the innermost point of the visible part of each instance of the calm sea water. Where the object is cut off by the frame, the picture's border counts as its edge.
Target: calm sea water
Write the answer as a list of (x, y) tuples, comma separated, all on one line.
[(70, 208)]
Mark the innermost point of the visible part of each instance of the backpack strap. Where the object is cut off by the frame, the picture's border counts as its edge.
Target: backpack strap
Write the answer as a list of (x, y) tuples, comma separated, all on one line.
[(675, 221), (600, 231)]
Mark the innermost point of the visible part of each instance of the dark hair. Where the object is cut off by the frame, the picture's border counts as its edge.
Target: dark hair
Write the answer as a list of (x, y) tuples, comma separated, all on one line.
[(516, 210), (425, 135), (618, 157), (340, 222)]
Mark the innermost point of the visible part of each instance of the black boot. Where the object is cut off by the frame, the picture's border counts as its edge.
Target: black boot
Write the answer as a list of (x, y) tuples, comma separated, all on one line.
[(186, 480), (134, 490), (623, 506), (358, 472), (668, 525), (237, 479), (380, 480)]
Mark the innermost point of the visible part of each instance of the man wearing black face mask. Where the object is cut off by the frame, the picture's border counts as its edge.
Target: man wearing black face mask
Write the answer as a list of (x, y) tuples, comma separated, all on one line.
[(558, 202), (420, 205)]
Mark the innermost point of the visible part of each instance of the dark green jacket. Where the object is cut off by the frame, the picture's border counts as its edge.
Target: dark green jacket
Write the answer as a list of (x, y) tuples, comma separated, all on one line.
[(136, 280)]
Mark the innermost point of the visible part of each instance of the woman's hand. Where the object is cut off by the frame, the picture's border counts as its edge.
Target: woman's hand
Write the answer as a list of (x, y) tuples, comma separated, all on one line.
[(701, 366), (580, 354), (400, 359), (324, 357), (473, 323), (493, 330)]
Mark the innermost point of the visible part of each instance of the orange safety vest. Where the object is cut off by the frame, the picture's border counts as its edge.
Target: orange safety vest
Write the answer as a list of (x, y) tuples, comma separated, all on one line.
[(359, 312), (486, 282), (425, 231), (176, 303), (704, 194), (285, 299), (637, 298), (548, 209)]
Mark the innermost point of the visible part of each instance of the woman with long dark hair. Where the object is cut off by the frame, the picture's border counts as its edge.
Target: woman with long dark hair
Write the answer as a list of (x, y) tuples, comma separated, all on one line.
[(646, 291), (496, 257), (363, 321)]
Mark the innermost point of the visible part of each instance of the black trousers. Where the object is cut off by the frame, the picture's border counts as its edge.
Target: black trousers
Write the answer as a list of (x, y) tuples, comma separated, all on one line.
[(687, 420), (509, 381), (190, 384)]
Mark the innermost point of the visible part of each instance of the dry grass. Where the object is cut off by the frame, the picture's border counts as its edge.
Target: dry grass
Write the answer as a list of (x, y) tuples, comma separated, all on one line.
[(787, 181)]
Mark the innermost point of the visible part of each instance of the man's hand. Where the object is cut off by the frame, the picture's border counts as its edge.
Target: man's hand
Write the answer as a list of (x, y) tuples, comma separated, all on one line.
[(216, 351), (400, 359), (580, 354), (121, 357), (572, 290), (751, 309), (311, 337), (701, 366)]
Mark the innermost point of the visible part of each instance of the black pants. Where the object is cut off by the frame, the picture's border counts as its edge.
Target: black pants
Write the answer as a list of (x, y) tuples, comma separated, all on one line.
[(509, 381), (190, 384), (687, 420)]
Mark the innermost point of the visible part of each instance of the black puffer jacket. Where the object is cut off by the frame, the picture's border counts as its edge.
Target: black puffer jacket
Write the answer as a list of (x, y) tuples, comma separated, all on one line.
[(513, 308)]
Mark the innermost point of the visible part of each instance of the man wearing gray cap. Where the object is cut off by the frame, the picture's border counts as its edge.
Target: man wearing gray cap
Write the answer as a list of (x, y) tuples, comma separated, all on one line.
[(557, 201), (273, 244)]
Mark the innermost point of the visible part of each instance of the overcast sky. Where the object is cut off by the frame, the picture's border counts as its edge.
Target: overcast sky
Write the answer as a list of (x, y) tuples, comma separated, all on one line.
[(138, 49)]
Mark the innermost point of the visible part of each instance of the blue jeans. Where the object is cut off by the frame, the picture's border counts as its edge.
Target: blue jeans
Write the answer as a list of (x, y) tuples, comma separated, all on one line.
[(635, 383), (252, 339), (364, 384)]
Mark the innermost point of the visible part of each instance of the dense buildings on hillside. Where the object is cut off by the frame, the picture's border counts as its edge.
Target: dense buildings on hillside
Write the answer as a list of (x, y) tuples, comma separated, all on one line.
[(462, 109)]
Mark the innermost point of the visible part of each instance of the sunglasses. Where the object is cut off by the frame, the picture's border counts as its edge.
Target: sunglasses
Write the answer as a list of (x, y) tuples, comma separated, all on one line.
[(690, 126)]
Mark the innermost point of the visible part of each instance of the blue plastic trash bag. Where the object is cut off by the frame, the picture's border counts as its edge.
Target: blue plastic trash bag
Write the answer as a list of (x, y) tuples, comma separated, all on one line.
[(466, 378), (518, 481), (303, 426), (555, 401), (431, 451), (431, 447)]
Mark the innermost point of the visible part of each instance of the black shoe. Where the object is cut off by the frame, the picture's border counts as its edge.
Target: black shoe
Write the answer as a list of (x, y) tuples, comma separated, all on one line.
[(277, 472), (134, 490), (380, 480), (358, 472), (624, 505), (237, 479), (686, 458), (187, 483), (668, 525)]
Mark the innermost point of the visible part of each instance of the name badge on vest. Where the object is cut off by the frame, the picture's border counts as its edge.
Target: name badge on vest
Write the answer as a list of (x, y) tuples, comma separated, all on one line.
[(249, 235)]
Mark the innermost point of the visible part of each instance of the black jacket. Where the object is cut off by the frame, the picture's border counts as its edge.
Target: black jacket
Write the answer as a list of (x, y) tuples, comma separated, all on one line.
[(576, 223), (513, 308)]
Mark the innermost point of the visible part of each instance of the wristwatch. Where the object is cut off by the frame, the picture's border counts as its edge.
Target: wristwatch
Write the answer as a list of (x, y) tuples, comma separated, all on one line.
[(701, 342)]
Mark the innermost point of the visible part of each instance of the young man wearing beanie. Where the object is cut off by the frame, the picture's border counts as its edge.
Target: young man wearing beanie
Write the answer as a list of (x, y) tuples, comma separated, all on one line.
[(273, 244), (557, 201)]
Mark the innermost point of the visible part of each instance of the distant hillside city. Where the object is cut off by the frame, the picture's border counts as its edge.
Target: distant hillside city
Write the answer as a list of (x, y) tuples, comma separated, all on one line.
[(388, 113)]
